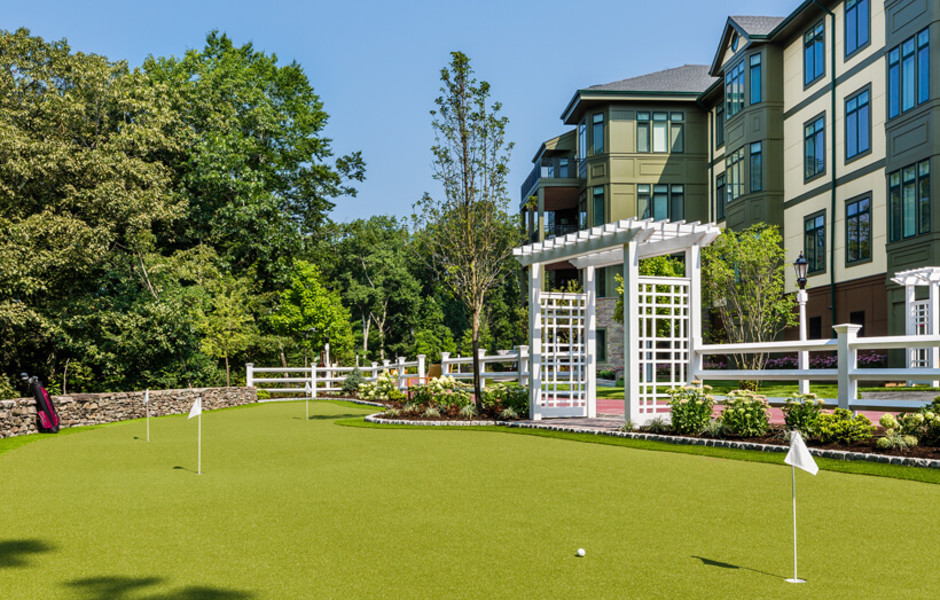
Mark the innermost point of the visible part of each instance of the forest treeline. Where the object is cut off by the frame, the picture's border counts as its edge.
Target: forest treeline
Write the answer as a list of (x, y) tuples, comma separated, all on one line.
[(162, 225)]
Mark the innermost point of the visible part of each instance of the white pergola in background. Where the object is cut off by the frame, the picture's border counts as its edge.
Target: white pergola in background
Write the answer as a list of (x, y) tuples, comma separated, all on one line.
[(921, 316), (662, 316)]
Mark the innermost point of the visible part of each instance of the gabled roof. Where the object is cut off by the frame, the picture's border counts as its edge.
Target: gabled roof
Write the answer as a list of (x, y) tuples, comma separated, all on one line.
[(687, 78), (750, 27), (757, 26)]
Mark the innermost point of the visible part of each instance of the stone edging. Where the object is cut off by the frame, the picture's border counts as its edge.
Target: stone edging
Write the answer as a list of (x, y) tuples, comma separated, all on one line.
[(671, 439)]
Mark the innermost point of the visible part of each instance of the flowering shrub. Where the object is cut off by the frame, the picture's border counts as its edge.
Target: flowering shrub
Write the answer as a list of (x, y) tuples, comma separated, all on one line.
[(442, 391), (869, 359), (745, 414), (385, 387), (691, 408), (841, 427), (801, 412), (923, 426), (500, 396)]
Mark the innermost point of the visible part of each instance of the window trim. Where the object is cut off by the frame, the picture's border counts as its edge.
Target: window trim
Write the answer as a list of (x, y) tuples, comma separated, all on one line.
[(899, 64), (845, 32), (650, 194), (916, 166), (821, 173), (751, 66), (720, 125), (721, 197), (860, 261), (845, 119), (603, 196), (597, 347), (750, 165), (731, 78), (815, 215), (822, 74), (594, 123)]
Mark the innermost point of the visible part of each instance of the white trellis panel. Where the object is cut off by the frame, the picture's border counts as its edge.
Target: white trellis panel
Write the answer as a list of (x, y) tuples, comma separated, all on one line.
[(663, 307), (563, 381), (920, 313)]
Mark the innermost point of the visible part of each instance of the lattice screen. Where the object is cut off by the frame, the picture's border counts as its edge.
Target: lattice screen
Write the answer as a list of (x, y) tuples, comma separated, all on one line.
[(920, 357), (663, 307), (564, 354)]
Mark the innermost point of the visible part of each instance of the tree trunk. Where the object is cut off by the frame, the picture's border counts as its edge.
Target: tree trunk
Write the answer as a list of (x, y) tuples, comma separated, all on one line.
[(475, 334), (65, 376), (228, 381), (367, 323)]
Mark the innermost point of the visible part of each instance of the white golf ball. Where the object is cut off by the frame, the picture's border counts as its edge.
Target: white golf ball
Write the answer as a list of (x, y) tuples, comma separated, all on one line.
[(580, 551)]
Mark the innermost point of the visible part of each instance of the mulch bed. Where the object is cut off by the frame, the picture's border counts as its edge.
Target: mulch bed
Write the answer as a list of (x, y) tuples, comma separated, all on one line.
[(776, 438)]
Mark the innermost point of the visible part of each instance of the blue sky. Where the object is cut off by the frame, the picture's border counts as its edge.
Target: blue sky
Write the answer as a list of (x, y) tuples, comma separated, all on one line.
[(376, 64)]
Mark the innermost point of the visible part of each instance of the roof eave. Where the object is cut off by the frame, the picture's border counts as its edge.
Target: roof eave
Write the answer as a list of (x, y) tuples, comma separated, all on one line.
[(632, 95)]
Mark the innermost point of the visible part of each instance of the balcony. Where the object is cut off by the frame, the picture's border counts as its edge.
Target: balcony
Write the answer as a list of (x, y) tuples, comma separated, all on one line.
[(552, 167)]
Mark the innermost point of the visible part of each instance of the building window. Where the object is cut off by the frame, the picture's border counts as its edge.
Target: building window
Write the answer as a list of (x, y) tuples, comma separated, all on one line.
[(677, 131), (720, 197), (909, 201), (857, 317), (598, 133), (599, 206), (664, 132), (814, 55), (600, 343), (814, 242), (582, 213), (857, 124), (734, 90), (582, 140), (858, 230), (600, 282), (757, 179), (755, 79), (563, 168), (856, 26), (734, 168), (814, 156), (661, 202), (719, 127), (909, 74)]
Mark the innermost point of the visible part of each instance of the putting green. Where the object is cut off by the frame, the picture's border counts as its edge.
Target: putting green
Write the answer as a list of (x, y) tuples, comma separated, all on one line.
[(290, 508)]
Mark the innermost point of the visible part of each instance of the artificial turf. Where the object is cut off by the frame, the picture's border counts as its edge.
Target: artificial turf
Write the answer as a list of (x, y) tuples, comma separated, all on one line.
[(290, 508)]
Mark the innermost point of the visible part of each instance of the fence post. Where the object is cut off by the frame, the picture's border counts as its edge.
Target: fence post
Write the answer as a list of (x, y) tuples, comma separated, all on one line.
[(385, 363), (375, 371), (401, 373), (445, 365), (313, 380), (481, 354), (250, 375), (523, 365), (421, 377), (848, 387)]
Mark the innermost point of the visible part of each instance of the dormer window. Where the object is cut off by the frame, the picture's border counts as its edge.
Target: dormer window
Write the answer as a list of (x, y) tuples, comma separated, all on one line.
[(735, 38)]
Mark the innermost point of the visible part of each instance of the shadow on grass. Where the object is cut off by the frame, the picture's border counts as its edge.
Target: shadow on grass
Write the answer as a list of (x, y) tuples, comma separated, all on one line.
[(120, 588), (14, 553), (723, 565), (332, 417)]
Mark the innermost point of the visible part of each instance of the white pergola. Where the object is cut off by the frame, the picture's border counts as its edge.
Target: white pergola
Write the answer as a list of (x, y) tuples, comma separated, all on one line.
[(562, 327), (921, 316)]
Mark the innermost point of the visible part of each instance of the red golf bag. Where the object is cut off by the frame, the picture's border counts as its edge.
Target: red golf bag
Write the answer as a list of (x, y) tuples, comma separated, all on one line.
[(45, 409)]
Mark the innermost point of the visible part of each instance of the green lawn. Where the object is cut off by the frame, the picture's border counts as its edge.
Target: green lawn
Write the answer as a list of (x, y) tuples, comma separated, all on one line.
[(293, 509)]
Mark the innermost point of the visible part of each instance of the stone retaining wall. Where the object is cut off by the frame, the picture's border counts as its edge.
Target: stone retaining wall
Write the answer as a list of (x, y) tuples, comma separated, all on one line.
[(18, 417)]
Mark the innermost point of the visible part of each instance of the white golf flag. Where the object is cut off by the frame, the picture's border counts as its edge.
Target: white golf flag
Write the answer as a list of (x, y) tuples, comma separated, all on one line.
[(196, 410), (147, 397), (799, 455)]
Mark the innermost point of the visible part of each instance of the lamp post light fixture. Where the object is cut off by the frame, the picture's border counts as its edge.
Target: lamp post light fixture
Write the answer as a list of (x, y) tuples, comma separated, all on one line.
[(801, 265)]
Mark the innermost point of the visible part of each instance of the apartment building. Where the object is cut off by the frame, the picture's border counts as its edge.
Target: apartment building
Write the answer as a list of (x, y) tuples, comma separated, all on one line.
[(821, 122)]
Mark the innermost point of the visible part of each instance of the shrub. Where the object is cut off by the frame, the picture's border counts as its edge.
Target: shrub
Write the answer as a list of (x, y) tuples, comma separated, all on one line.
[(432, 412), (745, 414), (264, 395), (500, 396), (7, 390), (658, 425), (508, 414), (923, 425), (381, 389), (895, 440), (801, 412), (628, 426), (469, 411), (714, 429), (444, 391), (606, 374), (841, 427), (691, 408), (353, 381)]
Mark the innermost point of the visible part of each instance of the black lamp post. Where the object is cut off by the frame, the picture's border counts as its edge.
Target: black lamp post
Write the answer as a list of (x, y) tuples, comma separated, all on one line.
[(800, 265)]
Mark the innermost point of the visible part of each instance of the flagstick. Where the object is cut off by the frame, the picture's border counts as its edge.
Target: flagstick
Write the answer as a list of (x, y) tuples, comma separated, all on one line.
[(148, 421), (199, 459), (793, 486)]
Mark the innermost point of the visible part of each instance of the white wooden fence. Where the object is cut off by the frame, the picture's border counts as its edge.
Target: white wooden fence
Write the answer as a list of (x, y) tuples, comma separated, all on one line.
[(846, 344), (329, 379)]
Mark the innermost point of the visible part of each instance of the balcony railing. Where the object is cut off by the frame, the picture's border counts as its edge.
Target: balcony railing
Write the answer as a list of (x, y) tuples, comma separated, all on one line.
[(557, 167)]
